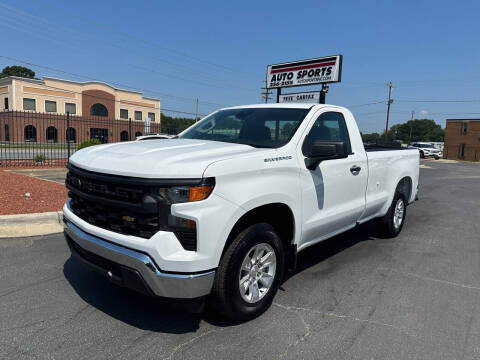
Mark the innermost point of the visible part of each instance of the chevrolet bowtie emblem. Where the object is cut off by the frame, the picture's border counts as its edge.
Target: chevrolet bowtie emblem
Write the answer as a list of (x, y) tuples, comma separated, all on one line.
[(128, 218)]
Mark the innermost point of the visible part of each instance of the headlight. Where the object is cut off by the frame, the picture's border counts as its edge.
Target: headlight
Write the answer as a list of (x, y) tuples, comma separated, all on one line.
[(184, 229), (183, 194)]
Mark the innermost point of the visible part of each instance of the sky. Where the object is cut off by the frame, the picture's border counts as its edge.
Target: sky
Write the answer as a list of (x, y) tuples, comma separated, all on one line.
[(218, 51)]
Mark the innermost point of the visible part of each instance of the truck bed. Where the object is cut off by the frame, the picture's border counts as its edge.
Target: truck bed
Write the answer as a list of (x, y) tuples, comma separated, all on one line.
[(370, 148)]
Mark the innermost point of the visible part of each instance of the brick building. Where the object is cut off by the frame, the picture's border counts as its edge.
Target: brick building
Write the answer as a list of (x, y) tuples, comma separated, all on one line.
[(34, 111), (462, 139)]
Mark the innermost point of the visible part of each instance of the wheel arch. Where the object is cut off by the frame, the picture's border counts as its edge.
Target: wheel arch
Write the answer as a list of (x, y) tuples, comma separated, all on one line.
[(405, 187), (277, 214)]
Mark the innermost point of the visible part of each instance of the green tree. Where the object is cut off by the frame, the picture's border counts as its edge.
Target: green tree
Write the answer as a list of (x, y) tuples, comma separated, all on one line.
[(172, 125), (412, 130), (372, 138), (418, 130), (19, 71)]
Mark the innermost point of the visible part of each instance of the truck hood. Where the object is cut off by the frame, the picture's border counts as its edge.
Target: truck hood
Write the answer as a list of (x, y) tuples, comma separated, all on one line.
[(163, 158)]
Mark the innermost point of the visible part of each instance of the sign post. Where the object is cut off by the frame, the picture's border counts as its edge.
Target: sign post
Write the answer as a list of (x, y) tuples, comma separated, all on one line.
[(315, 71)]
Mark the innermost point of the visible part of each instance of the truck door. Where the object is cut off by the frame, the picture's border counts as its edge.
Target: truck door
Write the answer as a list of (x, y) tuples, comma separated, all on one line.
[(333, 195)]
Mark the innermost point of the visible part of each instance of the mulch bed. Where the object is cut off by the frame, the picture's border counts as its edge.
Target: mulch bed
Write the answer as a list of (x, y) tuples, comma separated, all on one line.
[(21, 164), (22, 194)]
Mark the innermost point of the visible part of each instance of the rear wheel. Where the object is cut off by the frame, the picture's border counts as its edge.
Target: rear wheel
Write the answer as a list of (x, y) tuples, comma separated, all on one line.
[(391, 224), (249, 274), (422, 155)]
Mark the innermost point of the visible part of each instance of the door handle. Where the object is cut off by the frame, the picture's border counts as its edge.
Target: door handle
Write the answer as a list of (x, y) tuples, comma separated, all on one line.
[(355, 169)]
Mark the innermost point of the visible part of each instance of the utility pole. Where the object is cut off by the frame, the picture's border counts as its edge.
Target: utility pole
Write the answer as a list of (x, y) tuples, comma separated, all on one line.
[(390, 101), (411, 127), (196, 111), (266, 92)]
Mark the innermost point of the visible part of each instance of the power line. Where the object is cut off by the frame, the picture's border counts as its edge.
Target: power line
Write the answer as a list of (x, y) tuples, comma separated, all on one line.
[(376, 102), (266, 92), (440, 101), (196, 72), (116, 101), (145, 41), (109, 82)]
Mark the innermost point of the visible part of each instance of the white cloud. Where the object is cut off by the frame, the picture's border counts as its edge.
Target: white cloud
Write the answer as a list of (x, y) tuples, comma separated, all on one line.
[(423, 112)]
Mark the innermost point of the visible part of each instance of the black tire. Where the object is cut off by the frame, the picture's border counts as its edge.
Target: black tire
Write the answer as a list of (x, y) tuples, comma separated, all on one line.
[(386, 225), (422, 155), (225, 297)]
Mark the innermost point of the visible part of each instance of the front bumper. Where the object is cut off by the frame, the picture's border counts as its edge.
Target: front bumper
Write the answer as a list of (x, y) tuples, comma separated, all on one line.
[(133, 269)]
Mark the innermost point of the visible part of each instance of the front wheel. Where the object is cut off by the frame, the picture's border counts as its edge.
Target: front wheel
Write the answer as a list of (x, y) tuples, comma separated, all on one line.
[(249, 274), (391, 224)]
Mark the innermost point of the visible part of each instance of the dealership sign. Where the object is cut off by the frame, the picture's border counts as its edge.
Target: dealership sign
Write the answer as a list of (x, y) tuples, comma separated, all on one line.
[(305, 72), (303, 97)]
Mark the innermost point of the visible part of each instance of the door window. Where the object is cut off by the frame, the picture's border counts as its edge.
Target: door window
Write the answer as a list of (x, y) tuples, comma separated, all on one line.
[(329, 126)]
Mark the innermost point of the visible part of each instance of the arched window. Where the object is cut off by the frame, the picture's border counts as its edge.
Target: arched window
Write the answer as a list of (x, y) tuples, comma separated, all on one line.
[(138, 133), (124, 135), (98, 110), (51, 134), (71, 135), (30, 133)]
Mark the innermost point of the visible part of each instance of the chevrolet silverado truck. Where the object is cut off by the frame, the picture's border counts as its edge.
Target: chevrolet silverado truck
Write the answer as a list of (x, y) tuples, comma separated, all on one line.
[(221, 211)]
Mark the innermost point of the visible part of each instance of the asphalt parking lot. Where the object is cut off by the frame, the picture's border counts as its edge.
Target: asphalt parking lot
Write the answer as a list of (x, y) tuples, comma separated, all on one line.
[(353, 297)]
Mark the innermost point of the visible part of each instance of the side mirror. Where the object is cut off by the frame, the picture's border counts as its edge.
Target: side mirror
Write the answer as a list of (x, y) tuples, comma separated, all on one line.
[(325, 150)]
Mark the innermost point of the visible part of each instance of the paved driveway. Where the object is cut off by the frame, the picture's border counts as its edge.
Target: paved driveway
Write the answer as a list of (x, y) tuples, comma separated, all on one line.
[(353, 296)]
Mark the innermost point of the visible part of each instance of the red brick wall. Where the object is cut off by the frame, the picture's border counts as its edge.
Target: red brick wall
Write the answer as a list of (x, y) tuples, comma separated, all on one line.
[(90, 97), (454, 137)]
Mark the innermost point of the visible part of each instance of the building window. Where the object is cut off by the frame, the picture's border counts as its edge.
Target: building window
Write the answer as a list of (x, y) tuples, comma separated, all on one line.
[(71, 135), (51, 134), (462, 150), (138, 115), (30, 133), (100, 134), (137, 134), (98, 110), (5, 101), (50, 106), (151, 116), (7, 133), (124, 135), (464, 128), (29, 104), (123, 114), (71, 108)]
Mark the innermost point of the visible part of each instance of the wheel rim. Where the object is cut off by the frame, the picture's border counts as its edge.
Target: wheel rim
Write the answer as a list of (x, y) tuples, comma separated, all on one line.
[(257, 272), (398, 213)]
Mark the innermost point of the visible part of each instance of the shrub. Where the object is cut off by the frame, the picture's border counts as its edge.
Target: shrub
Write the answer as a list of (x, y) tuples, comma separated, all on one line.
[(40, 158), (88, 143)]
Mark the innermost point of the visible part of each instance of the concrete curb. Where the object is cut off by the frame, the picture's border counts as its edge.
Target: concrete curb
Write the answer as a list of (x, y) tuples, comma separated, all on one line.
[(23, 225)]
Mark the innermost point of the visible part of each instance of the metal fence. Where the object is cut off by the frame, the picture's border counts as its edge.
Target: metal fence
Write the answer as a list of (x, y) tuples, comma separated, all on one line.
[(44, 139)]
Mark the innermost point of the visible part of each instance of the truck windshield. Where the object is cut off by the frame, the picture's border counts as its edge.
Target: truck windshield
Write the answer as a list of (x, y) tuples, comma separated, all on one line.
[(258, 127)]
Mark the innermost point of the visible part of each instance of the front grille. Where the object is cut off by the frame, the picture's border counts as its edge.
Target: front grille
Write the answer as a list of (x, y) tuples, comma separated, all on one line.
[(113, 218), (125, 205), (114, 203)]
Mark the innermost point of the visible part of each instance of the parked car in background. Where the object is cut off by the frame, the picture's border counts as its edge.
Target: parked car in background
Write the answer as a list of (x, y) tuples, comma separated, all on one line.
[(222, 210), (427, 150), (154, 137)]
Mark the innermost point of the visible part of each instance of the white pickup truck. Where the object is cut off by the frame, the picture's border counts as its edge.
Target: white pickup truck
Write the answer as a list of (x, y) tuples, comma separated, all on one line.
[(223, 209)]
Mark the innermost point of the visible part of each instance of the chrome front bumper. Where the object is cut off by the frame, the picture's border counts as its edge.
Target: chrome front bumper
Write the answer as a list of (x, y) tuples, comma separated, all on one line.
[(133, 269)]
